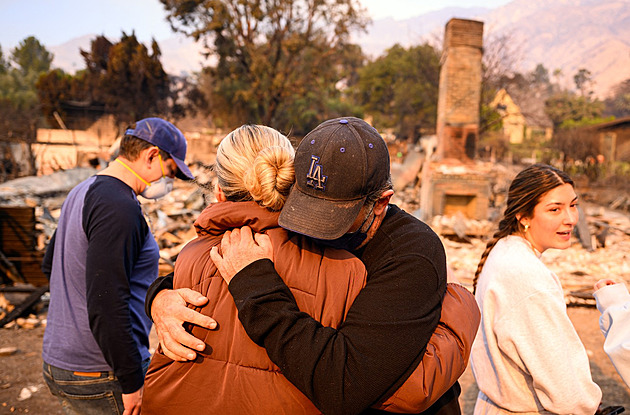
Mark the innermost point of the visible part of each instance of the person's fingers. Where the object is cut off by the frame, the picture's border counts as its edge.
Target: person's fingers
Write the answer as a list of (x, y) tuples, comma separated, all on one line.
[(238, 250), (177, 353), (132, 402), (235, 236), (245, 235), (191, 316), (264, 242), (262, 239), (172, 330), (218, 262), (215, 255), (177, 344), (192, 297), (602, 283), (169, 313), (226, 242)]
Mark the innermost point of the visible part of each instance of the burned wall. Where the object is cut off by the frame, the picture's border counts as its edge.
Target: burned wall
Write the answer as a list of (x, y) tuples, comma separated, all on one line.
[(451, 190)]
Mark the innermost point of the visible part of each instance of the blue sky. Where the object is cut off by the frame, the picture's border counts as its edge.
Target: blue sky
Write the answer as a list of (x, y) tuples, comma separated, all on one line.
[(54, 22)]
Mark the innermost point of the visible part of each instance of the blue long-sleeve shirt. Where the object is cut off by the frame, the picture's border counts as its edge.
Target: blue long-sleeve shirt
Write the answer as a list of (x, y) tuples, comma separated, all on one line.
[(101, 261)]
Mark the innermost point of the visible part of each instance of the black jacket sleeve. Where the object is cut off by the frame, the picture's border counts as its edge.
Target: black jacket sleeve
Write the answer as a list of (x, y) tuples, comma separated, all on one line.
[(116, 232), (369, 356), (161, 283)]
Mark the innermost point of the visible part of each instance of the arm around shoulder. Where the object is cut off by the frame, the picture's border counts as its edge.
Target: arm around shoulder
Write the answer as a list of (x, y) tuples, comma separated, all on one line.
[(446, 357)]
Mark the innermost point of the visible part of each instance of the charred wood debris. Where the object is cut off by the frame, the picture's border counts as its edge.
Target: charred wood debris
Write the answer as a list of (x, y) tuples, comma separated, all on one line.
[(600, 248)]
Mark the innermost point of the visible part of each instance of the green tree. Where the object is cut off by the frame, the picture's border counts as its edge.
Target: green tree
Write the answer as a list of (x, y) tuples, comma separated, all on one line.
[(135, 85), (70, 96), (27, 62), (4, 65), (618, 104), (53, 90), (583, 82), (272, 57), (124, 79), (567, 109), (98, 55), (30, 56), (19, 106), (400, 89), (91, 82), (540, 75)]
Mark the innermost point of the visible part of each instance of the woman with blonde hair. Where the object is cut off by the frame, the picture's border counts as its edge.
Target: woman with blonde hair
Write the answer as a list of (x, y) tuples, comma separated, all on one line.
[(233, 375), (527, 357)]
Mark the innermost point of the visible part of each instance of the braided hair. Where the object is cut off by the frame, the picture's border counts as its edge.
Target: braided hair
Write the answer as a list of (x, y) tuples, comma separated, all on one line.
[(526, 190)]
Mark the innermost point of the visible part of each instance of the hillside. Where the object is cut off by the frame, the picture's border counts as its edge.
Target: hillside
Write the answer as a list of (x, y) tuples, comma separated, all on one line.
[(179, 54), (569, 35), (561, 34), (384, 33)]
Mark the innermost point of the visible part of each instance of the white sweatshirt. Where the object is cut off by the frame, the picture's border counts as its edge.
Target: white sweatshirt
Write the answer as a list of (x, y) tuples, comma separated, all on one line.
[(527, 357), (613, 301)]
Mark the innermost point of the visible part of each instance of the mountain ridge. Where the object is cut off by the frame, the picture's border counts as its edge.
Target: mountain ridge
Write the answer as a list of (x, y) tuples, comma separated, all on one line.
[(570, 35), (560, 34)]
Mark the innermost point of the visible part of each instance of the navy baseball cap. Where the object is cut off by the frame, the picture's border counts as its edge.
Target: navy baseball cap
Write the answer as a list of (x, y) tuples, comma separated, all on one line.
[(167, 137), (337, 165)]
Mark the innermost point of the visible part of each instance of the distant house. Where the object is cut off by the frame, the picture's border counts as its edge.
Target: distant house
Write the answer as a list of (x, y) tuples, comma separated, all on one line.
[(523, 115), (613, 138)]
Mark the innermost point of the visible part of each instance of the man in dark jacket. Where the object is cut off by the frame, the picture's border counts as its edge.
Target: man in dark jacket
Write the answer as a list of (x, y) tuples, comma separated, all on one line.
[(341, 198)]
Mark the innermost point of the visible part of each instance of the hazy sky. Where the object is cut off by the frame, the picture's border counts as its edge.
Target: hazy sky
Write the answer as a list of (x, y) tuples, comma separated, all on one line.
[(54, 22)]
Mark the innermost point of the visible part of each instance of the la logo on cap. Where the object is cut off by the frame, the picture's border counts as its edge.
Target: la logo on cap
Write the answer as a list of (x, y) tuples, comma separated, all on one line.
[(314, 176)]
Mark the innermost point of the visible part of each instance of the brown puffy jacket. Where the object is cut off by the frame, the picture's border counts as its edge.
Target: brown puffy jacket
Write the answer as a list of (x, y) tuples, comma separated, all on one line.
[(234, 375)]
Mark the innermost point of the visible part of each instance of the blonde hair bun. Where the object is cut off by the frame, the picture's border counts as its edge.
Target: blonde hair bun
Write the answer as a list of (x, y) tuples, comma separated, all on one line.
[(270, 177), (255, 162)]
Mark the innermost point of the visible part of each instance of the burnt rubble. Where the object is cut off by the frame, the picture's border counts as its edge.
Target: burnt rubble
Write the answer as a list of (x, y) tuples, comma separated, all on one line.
[(603, 251), (23, 287), (171, 221)]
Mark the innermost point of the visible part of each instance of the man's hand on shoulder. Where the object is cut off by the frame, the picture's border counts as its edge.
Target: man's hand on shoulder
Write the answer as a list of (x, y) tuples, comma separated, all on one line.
[(239, 249), (170, 311)]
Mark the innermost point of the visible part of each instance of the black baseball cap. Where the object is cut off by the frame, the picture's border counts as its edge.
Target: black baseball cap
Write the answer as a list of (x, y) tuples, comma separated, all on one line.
[(337, 165), (167, 137)]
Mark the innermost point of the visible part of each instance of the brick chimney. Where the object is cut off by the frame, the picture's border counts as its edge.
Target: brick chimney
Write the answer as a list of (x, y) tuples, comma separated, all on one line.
[(460, 91)]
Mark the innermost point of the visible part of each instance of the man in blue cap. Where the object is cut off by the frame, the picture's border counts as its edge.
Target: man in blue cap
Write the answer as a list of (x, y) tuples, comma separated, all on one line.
[(100, 262)]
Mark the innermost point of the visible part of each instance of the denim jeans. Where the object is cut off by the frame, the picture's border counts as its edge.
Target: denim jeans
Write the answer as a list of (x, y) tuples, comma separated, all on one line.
[(86, 394)]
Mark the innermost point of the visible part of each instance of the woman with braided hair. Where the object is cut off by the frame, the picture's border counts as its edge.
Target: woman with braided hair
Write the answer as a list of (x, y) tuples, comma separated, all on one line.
[(527, 356)]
